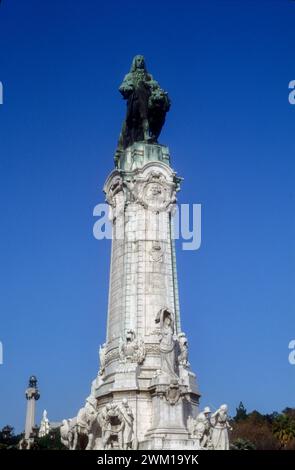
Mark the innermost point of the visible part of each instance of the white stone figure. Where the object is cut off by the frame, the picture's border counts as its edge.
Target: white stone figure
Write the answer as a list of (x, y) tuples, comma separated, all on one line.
[(220, 424), (91, 421), (128, 428), (128, 188), (102, 355), (190, 425), (44, 425), (105, 425), (207, 414), (64, 432), (203, 429), (200, 430), (183, 347), (78, 433), (167, 342), (112, 425)]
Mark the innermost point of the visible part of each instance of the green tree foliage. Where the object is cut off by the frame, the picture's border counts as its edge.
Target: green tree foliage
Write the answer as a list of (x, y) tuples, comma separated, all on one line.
[(274, 431), (284, 429), (8, 440), (241, 413), (242, 444), (50, 442)]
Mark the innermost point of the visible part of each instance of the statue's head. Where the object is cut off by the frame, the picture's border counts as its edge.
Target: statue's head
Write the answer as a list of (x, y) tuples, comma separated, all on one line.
[(138, 63), (207, 410), (125, 402), (224, 407)]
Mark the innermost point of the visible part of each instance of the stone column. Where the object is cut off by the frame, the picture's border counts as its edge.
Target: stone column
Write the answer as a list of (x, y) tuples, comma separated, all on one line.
[(141, 194), (32, 395)]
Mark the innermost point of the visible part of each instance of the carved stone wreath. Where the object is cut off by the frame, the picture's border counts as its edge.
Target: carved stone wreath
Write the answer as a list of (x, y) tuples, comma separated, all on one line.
[(155, 192)]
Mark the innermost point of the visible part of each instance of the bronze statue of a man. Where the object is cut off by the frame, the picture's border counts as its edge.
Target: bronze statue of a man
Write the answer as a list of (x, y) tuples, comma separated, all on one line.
[(147, 105)]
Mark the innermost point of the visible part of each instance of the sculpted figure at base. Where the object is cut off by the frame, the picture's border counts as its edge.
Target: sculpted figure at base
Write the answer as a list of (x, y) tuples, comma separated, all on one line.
[(112, 425), (64, 432), (77, 433), (203, 429), (116, 423), (220, 425), (128, 428), (44, 426), (167, 343)]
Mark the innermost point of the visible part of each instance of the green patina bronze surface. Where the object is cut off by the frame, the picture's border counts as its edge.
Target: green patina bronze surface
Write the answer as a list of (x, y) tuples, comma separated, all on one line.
[(147, 105)]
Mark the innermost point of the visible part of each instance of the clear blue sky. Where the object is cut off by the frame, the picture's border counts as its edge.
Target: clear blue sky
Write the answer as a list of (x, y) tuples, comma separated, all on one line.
[(226, 65)]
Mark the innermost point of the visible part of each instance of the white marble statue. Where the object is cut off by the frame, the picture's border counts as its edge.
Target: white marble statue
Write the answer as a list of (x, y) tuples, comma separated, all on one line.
[(112, 424), (128, 428), (167, 343), (64, 432), (203, 429), (219, 420), (77, 433), (44, 425), (183, 348)]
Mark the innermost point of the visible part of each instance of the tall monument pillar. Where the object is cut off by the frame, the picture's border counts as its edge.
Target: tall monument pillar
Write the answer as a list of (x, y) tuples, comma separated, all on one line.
[(32, 395), (145, 395), (145, 357)]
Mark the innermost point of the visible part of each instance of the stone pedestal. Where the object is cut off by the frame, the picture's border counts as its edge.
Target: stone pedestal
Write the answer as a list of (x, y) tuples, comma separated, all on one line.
[(141, 193)]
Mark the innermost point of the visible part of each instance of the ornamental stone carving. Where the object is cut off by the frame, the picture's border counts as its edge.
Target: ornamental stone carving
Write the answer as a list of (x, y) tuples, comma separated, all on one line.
[(111, 355), (156, 252), (131, 349), (154, 192), (115, 197), (173, 392)]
